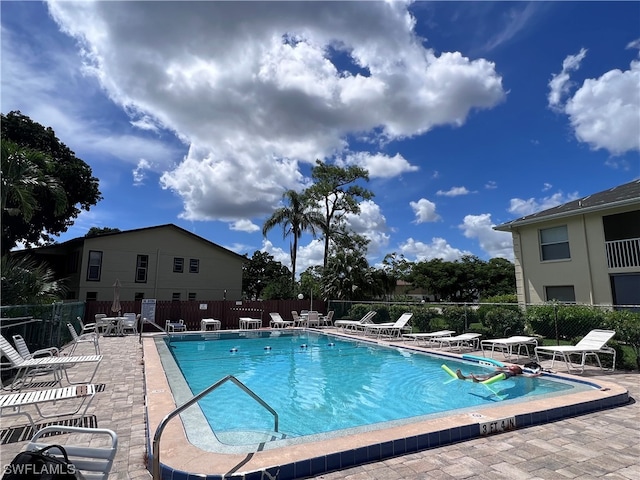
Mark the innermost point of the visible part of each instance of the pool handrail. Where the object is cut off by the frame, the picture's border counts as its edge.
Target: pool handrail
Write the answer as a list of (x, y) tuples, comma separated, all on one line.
[(155, 472)]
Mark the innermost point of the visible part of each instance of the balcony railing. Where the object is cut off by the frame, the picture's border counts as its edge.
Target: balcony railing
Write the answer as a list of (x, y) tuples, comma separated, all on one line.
[(623, 253)]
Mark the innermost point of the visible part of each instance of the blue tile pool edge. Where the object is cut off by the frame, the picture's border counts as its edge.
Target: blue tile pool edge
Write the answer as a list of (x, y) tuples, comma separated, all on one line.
[(391, 448)]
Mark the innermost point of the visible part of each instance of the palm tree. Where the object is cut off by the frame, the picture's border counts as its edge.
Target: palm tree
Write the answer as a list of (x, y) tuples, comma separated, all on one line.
[(296, 218)]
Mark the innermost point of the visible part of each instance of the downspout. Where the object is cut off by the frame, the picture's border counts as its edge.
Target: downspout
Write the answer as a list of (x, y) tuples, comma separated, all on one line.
[(155, 281), (586, 246)]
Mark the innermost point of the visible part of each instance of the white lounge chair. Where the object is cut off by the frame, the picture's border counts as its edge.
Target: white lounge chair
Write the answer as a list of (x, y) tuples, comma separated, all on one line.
[(24, 368), (464, 340), (592, 344), (389, 329), (178, 326), (355, 325), (24, 352), (91, 337), (428, 337), (86, 327), (278, 322), (27, 354), (507, 345), (14, 403), (94, 462)]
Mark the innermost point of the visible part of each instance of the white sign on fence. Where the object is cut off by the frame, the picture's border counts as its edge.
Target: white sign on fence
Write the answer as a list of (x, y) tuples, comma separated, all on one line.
[(149, 309)]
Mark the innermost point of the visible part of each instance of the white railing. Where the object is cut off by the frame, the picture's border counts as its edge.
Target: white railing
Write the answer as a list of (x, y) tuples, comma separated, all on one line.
[(623, 253)]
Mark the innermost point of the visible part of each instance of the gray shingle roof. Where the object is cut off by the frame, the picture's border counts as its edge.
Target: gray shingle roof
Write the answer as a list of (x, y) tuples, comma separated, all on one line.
[(625, 194)]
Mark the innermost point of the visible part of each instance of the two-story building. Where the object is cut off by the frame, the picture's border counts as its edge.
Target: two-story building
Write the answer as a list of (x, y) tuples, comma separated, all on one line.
[(585, 251), (163, 262)]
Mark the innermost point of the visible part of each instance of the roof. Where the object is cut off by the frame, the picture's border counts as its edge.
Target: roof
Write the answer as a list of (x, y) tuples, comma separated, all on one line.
[(626, 194), (79, 240)]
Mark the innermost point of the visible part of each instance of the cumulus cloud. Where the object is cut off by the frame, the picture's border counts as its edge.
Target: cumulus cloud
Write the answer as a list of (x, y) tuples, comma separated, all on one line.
[(257, 92), (425, 211), (244, 226), (371, 224), (494, 243), (523, 207), (604, 112), (379, 164), (414, 250), (454, 192)]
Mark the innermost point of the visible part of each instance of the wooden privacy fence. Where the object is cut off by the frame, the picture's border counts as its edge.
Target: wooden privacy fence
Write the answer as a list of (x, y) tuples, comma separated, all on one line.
[(192, 312)]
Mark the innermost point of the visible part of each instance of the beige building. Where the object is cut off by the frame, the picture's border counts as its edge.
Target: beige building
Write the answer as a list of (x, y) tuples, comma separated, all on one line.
[(164, 262), (585, 251)]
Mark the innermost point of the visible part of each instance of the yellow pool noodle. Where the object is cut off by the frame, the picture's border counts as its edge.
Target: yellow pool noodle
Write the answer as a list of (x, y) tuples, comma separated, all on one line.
[(449, 371), (495, 378)]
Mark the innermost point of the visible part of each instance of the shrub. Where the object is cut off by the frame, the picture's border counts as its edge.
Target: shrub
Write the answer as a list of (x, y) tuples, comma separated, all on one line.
[(504, 321), (564, 321), (627, 327), (458, 318)]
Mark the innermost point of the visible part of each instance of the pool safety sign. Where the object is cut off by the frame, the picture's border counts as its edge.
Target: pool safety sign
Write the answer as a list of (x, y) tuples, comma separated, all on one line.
[(496, 426)]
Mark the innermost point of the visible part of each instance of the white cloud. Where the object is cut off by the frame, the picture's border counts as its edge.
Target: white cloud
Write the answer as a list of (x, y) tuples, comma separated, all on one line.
[(379, 164), (256, 91), (438, 248), (371, 224), (454, 192), (425, 211), (522, 207), (139, 172), (560, 84), (491, 185), (494, 243), (244, 226), (604, 112)]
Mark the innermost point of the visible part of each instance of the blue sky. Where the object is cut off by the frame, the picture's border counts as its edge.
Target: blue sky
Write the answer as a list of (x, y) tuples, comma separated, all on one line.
[(465, 114)]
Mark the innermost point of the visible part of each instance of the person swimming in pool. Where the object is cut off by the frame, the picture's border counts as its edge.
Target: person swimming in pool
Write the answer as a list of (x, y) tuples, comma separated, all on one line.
[(510, 371)]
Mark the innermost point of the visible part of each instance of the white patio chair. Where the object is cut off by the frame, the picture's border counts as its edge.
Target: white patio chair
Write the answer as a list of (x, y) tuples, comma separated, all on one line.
[(94, 462), (592, 344), (129, 323), (91, 337)]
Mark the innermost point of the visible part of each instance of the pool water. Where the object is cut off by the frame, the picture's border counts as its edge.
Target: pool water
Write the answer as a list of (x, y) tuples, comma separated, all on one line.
[(321, 383)]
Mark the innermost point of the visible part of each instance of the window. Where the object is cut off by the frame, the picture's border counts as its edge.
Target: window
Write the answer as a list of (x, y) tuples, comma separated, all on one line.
[(138, 296), (142, 265), (92, 296), (175, 296), (178, 264), (95, 266), (563, 294), (554, 243), (194, 265), (73, 260), (192, 296)]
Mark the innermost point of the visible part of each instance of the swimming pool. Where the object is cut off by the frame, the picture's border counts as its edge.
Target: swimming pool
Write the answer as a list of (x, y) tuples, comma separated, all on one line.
[(185, 448), (321, 383)]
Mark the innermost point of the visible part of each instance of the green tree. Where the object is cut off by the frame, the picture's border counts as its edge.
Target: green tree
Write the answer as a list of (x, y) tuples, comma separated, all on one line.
[(336, 194), (25, 282), (97, 231), (261, 273), (347, 275), (56, 166), (296, 218)]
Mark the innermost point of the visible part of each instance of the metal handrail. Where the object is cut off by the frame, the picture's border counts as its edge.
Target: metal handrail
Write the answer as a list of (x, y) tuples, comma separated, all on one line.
[(156, 438)]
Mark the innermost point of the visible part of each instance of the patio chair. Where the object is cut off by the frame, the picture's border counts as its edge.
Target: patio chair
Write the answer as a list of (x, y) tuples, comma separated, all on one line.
[(313, 319), (102, 325), (278, 322), (592, 344), (355, 325), (464, 340), (507, 345), (428, 337), (91, 337), (24, 352), (14, 403), (327, 320), (129, 323), (26, 369), (27, 354), (389, 329), (298, 321), (178, 326), (86, 327), (95, 461)]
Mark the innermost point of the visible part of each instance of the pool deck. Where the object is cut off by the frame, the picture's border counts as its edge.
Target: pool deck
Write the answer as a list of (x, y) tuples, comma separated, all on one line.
[(603, 444)]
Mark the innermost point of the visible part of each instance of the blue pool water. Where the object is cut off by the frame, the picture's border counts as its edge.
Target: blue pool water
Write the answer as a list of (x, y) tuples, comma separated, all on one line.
[(321, 383)]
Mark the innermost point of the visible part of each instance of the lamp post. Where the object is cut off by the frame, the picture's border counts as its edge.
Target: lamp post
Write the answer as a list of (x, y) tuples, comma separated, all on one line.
[(301, 296)]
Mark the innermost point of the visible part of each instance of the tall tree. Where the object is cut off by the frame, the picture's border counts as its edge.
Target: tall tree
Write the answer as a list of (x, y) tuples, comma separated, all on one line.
[(295, 218), (264, 277), (336, 193), (56, 166)]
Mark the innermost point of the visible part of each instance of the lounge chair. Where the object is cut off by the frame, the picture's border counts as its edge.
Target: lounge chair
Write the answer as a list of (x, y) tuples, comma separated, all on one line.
[(592, 344), (24, 352), (507, 345), (389, 329), (95, 461), (355, 325), (13, 403), (430, 336), (91, 337), (178, 326), (86, 327), (464, 340), (278, 322), (26, 368)]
